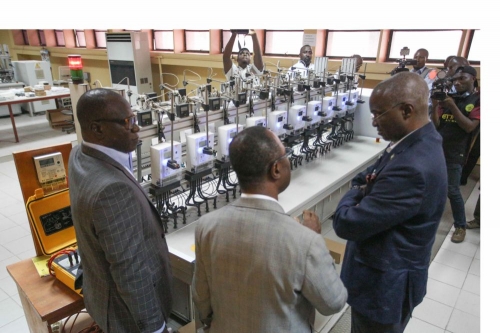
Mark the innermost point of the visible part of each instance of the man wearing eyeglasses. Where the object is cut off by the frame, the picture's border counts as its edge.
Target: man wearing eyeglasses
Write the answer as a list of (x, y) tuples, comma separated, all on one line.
[(393, 210), (127, 282), (457, 119), (257, 269)]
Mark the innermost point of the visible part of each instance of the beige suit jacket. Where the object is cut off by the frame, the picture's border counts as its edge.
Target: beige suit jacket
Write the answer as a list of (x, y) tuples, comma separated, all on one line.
[(258, 270)]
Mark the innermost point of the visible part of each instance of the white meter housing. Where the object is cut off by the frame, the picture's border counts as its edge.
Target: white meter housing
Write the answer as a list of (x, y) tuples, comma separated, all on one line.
[(341, 100), (328, 104), (295, 116), (195, 158), (277, 119), (50, 169), (313, 107), (226, 134), (353, 100), (161, 173), (256, 121)]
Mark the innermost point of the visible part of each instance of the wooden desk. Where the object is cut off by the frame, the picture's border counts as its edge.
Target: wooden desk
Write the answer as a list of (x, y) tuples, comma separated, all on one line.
[(45, 300), (19, 100)]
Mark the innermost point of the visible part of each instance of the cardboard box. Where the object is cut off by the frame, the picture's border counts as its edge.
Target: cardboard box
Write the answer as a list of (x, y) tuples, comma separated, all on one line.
[(336, 249), (57, 119), (189, 328)]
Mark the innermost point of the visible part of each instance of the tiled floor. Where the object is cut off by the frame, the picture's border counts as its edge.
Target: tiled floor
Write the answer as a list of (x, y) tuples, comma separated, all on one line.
[(451, 304), (452, 301)]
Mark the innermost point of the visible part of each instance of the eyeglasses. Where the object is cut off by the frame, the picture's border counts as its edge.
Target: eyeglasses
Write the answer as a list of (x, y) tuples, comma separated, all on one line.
[(128, 122), (383, 113), (288, 153)]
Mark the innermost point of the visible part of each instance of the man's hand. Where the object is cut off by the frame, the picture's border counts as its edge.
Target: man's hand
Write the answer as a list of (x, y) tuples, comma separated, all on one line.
[(447, 103), (311, 221)]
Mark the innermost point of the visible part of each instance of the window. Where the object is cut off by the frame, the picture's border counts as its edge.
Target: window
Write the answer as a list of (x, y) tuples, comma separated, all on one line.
[(245, 41), (163, 40), (25, 37), (283, 42), (343, 44), (197, 40), (80, 38), (475, 47), (60, 38), (439, 43), (100, 39), (41, 37)]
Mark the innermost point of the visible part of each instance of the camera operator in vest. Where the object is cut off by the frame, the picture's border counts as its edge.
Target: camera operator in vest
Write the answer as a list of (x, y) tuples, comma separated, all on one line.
[(456, 118), (428, 74)]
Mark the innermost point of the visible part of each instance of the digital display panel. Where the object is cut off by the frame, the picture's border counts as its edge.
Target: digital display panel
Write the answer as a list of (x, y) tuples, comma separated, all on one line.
[(202, 143), (280, 119), (46, 162)]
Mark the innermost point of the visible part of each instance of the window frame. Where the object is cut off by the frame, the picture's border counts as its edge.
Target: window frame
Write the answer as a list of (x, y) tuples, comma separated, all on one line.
[(97, 39), (469, 42), (221, 47), (77, 41), (196, 51), (26, 40), (348, 56), (265, 53), (154, 41), (41, 37), (56, 31), (410, 56)]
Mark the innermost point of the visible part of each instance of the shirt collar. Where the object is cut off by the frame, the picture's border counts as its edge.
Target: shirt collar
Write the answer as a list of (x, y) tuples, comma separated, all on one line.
[(124, 159), (393, 145), (258, 196)]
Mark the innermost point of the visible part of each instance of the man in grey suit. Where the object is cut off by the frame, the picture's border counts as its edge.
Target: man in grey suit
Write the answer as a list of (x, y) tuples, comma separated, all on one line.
[(257, 269), (127, 276)]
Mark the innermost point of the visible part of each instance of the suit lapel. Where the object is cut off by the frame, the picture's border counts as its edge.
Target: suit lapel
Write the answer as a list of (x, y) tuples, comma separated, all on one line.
[(105, 158)]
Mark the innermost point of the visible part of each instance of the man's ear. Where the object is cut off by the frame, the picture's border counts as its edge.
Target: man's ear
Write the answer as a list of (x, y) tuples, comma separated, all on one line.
[(96, 129), (407, 111), (275, 171)]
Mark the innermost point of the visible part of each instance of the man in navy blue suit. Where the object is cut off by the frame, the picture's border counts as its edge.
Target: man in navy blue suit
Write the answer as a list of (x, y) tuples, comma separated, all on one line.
[(391, 214)]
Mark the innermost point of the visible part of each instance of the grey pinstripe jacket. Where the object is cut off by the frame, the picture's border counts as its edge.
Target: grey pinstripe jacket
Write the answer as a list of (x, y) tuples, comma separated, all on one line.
[(127, 277)]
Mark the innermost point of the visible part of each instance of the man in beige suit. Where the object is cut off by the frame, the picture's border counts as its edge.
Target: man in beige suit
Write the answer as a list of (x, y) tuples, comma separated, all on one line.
[(258, 269)]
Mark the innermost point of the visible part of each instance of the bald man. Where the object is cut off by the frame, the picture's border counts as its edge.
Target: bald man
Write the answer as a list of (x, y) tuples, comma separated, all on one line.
[(127, 276), (392, 212), (257, 269), (359, 61), (428, 74)]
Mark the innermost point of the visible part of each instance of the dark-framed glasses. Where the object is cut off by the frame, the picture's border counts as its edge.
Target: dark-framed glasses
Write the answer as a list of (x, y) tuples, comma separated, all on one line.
[(128, 122)]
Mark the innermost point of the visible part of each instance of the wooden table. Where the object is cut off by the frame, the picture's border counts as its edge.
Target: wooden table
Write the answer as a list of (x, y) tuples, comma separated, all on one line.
[(19, 100), (45, 300)]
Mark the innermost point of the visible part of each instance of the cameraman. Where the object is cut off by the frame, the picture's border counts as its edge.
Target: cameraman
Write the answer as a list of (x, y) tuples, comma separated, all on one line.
[(428, 74), (456, 118)]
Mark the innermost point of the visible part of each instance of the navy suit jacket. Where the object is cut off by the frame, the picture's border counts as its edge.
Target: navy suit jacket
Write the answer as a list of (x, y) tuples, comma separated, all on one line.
[(391, 227)]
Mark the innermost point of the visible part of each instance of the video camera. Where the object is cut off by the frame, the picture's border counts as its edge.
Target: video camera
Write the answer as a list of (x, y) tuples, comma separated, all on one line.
[(402, 63), (441, 86)]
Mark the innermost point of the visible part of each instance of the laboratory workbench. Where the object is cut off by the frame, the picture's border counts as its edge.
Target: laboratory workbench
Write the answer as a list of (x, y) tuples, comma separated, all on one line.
[(316, 185), (45, 300), (18, 100)]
